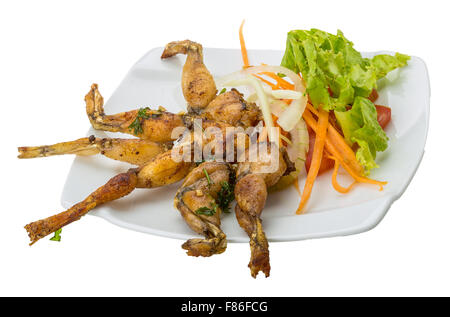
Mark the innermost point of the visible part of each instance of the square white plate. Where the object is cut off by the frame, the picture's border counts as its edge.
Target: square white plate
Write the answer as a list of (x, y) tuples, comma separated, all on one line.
[(153, 82)]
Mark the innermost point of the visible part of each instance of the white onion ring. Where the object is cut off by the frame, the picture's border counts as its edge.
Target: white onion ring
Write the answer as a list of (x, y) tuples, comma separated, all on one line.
[(286, 94), (262, 97), (300, 144), (289, 118)]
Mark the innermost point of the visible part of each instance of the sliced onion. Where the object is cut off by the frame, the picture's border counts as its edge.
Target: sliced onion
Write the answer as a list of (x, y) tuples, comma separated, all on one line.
[(278, 106), (296, 80), (300, 144), (296, 151), (252, 98), (286, 94), (285, 139), (262, 97), (289, 118)]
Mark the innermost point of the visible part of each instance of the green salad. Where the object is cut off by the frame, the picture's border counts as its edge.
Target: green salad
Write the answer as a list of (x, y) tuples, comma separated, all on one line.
[(338, 78)]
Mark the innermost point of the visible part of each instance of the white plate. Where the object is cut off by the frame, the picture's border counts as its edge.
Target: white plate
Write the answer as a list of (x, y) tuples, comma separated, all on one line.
[(153, 82)]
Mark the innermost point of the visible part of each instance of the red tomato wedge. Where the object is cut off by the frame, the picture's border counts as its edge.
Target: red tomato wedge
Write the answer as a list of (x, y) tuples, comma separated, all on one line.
[(373, 95), (383, 115)]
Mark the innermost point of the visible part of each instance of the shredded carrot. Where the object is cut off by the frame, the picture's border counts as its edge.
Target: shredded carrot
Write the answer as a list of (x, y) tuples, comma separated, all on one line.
[(334, 181), (272, 85), (282, 132), (321, 133), (243, 49), (338, 148), (297, 187), (357, 177), (328, 140), (280, 81), (312, 109), (341, 146)]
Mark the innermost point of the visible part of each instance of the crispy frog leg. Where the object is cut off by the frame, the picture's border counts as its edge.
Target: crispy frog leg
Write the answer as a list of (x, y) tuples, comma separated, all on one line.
[(162, 170), (197, 83), (133, 151), (153, 125), (196, 201), (251, 194), (118, 186)]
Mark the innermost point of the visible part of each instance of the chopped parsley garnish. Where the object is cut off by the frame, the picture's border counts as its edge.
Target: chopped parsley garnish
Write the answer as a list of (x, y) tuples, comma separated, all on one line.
[(207, 211), (225, 196), (207, 177), (57, 236), (222, 91), (136, 125)]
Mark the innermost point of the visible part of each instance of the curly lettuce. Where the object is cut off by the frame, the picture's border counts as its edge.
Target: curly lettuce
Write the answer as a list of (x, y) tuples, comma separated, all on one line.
[(360, 125), (337, 76), (329, 63)]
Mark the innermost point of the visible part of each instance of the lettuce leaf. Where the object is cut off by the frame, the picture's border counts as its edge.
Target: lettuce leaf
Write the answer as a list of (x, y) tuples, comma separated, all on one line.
[(337, 76), (360, 125), (329, 61), (383, 64)]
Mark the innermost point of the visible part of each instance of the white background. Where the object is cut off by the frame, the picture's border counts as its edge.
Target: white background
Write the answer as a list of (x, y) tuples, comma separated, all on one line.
[(50, 53)]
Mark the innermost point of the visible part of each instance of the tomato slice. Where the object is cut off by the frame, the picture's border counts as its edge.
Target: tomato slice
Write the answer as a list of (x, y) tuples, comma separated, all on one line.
[(383, 118), (383, 115), (373, 95)]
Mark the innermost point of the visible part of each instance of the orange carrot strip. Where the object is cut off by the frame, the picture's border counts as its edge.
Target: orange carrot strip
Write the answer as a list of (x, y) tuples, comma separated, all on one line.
[(280, 81), (297, 187), (312, 109), (272, 85), (346, 156), (341, 145), (243, 49), (281, 131), (357, 177), (345, 151), (334, 181), (319, 143)]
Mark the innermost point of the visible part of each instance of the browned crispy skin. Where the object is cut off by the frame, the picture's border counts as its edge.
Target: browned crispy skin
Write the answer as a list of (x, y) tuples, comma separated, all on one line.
[(231, 108), (133, 151), (251, 194), (161, 171), (228, 108), (197, 192), (118, 186), (197, 83), (156, 127)]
